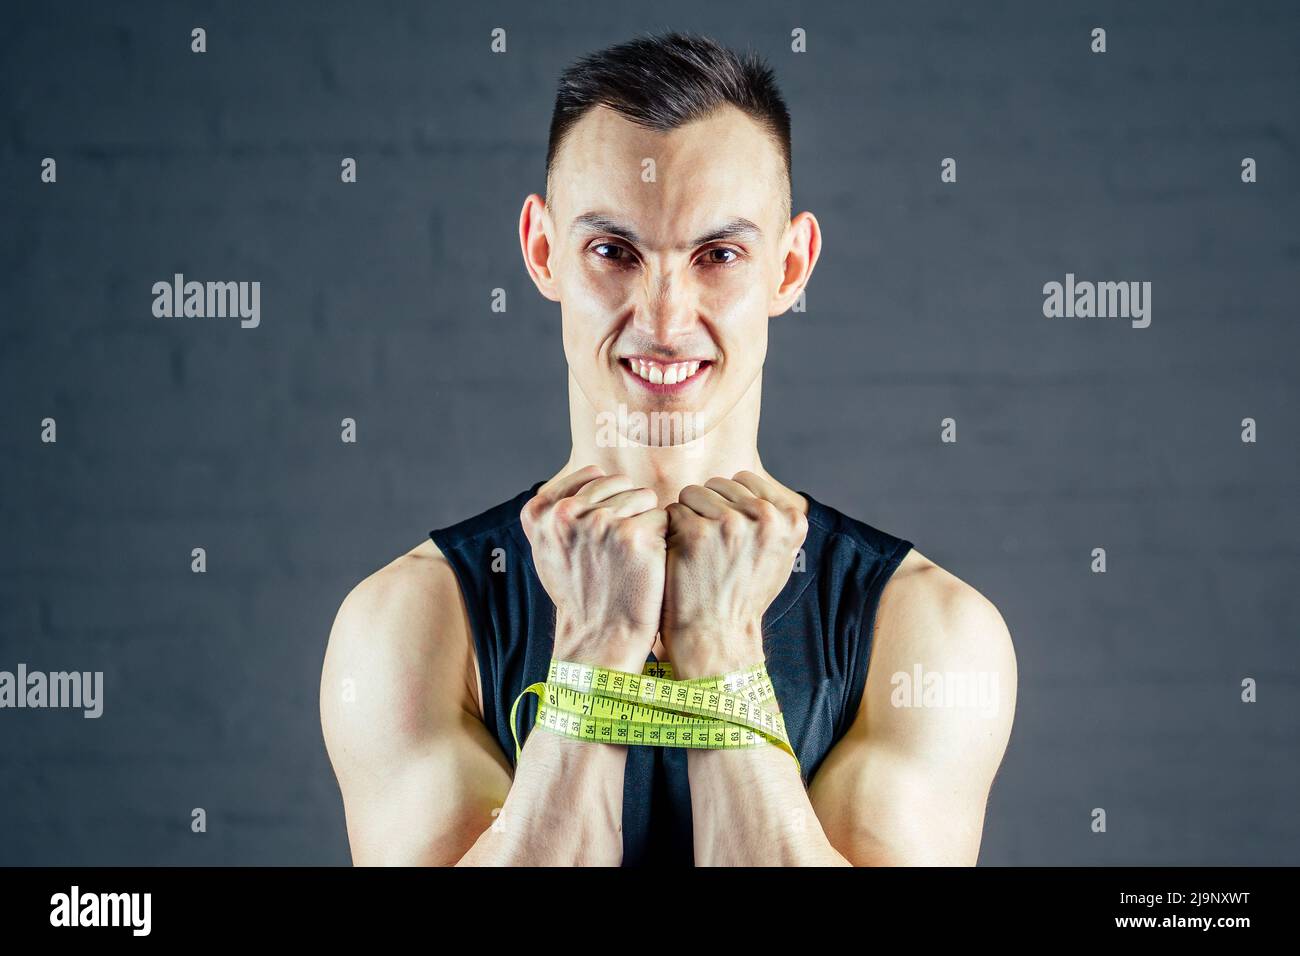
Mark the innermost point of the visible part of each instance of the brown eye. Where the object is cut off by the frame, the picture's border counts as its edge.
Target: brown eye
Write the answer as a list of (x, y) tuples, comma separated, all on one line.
[(619, 254), (711, 257)]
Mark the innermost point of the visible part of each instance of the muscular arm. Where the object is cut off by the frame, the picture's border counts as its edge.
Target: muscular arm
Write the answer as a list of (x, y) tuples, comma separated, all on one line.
[(420, 774), (905, 786), (908, 786), (750, 808)]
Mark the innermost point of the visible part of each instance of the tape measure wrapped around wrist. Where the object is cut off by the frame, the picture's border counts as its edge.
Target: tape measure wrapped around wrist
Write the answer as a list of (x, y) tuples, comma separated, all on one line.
[(733, 711)]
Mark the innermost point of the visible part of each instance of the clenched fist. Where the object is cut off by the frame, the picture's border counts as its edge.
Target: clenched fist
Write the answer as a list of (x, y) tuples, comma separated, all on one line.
[(599, 547), (731, 548)]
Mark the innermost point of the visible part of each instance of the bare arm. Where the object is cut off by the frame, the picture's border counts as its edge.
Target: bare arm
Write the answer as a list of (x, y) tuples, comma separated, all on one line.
[(908, 785), (750, 808), (423, 781)]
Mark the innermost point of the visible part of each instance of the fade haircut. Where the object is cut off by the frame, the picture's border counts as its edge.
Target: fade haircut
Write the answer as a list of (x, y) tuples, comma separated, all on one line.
[(663, 82)]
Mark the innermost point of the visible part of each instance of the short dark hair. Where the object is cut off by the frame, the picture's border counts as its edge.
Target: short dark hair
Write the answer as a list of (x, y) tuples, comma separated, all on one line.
[(664, 81)]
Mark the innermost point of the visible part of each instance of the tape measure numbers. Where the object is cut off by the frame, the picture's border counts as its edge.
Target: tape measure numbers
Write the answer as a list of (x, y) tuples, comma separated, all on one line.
[(732, 711)]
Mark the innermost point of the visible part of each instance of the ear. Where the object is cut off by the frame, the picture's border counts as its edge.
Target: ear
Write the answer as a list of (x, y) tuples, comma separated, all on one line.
[(535, 242), (803, 244)]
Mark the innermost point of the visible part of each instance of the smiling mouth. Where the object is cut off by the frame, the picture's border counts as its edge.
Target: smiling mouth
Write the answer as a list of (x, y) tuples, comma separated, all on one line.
[(665, 376)]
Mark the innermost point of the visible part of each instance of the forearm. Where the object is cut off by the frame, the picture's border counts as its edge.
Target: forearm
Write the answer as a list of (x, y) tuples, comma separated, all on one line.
[(564, 808), (750, 808)]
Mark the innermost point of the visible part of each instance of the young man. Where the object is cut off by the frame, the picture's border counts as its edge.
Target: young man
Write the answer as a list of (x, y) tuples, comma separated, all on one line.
[(666, 237)]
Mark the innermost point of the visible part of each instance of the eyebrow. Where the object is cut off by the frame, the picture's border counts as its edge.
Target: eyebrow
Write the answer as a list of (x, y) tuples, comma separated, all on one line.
[(737, 228)]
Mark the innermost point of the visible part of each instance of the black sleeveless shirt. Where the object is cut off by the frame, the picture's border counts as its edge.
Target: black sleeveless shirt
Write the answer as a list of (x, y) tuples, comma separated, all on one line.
[(817, 638)]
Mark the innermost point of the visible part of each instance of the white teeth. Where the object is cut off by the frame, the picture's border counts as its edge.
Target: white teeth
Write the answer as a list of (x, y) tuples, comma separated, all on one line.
[(663, 374)]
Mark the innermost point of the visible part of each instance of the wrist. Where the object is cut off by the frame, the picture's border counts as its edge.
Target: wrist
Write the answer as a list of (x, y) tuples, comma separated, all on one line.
[(615, 645), (710, 650)]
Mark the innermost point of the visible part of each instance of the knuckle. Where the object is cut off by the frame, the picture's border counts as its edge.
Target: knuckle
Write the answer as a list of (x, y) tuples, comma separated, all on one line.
[(631, 534), (532, 512), (733, 523)]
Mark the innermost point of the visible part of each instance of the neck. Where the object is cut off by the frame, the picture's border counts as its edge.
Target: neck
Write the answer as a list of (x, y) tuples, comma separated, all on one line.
[(603, 438)]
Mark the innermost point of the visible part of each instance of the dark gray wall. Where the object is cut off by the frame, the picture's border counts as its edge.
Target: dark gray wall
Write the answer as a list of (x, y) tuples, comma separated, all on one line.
[(927, 303)]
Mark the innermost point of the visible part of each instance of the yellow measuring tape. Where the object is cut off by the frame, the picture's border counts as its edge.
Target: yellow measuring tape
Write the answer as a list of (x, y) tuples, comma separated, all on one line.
[(732, 711)]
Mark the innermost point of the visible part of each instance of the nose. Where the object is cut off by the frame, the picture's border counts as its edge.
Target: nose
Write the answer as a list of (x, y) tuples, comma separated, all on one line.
[(667, 309)]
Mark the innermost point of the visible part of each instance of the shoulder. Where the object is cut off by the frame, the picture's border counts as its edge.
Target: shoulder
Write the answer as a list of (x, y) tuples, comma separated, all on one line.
[(936, 629), (403, 593), (399, 659), (924, 604)]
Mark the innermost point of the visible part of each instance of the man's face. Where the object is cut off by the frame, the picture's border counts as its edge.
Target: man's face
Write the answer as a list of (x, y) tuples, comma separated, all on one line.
[(665, 256)]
